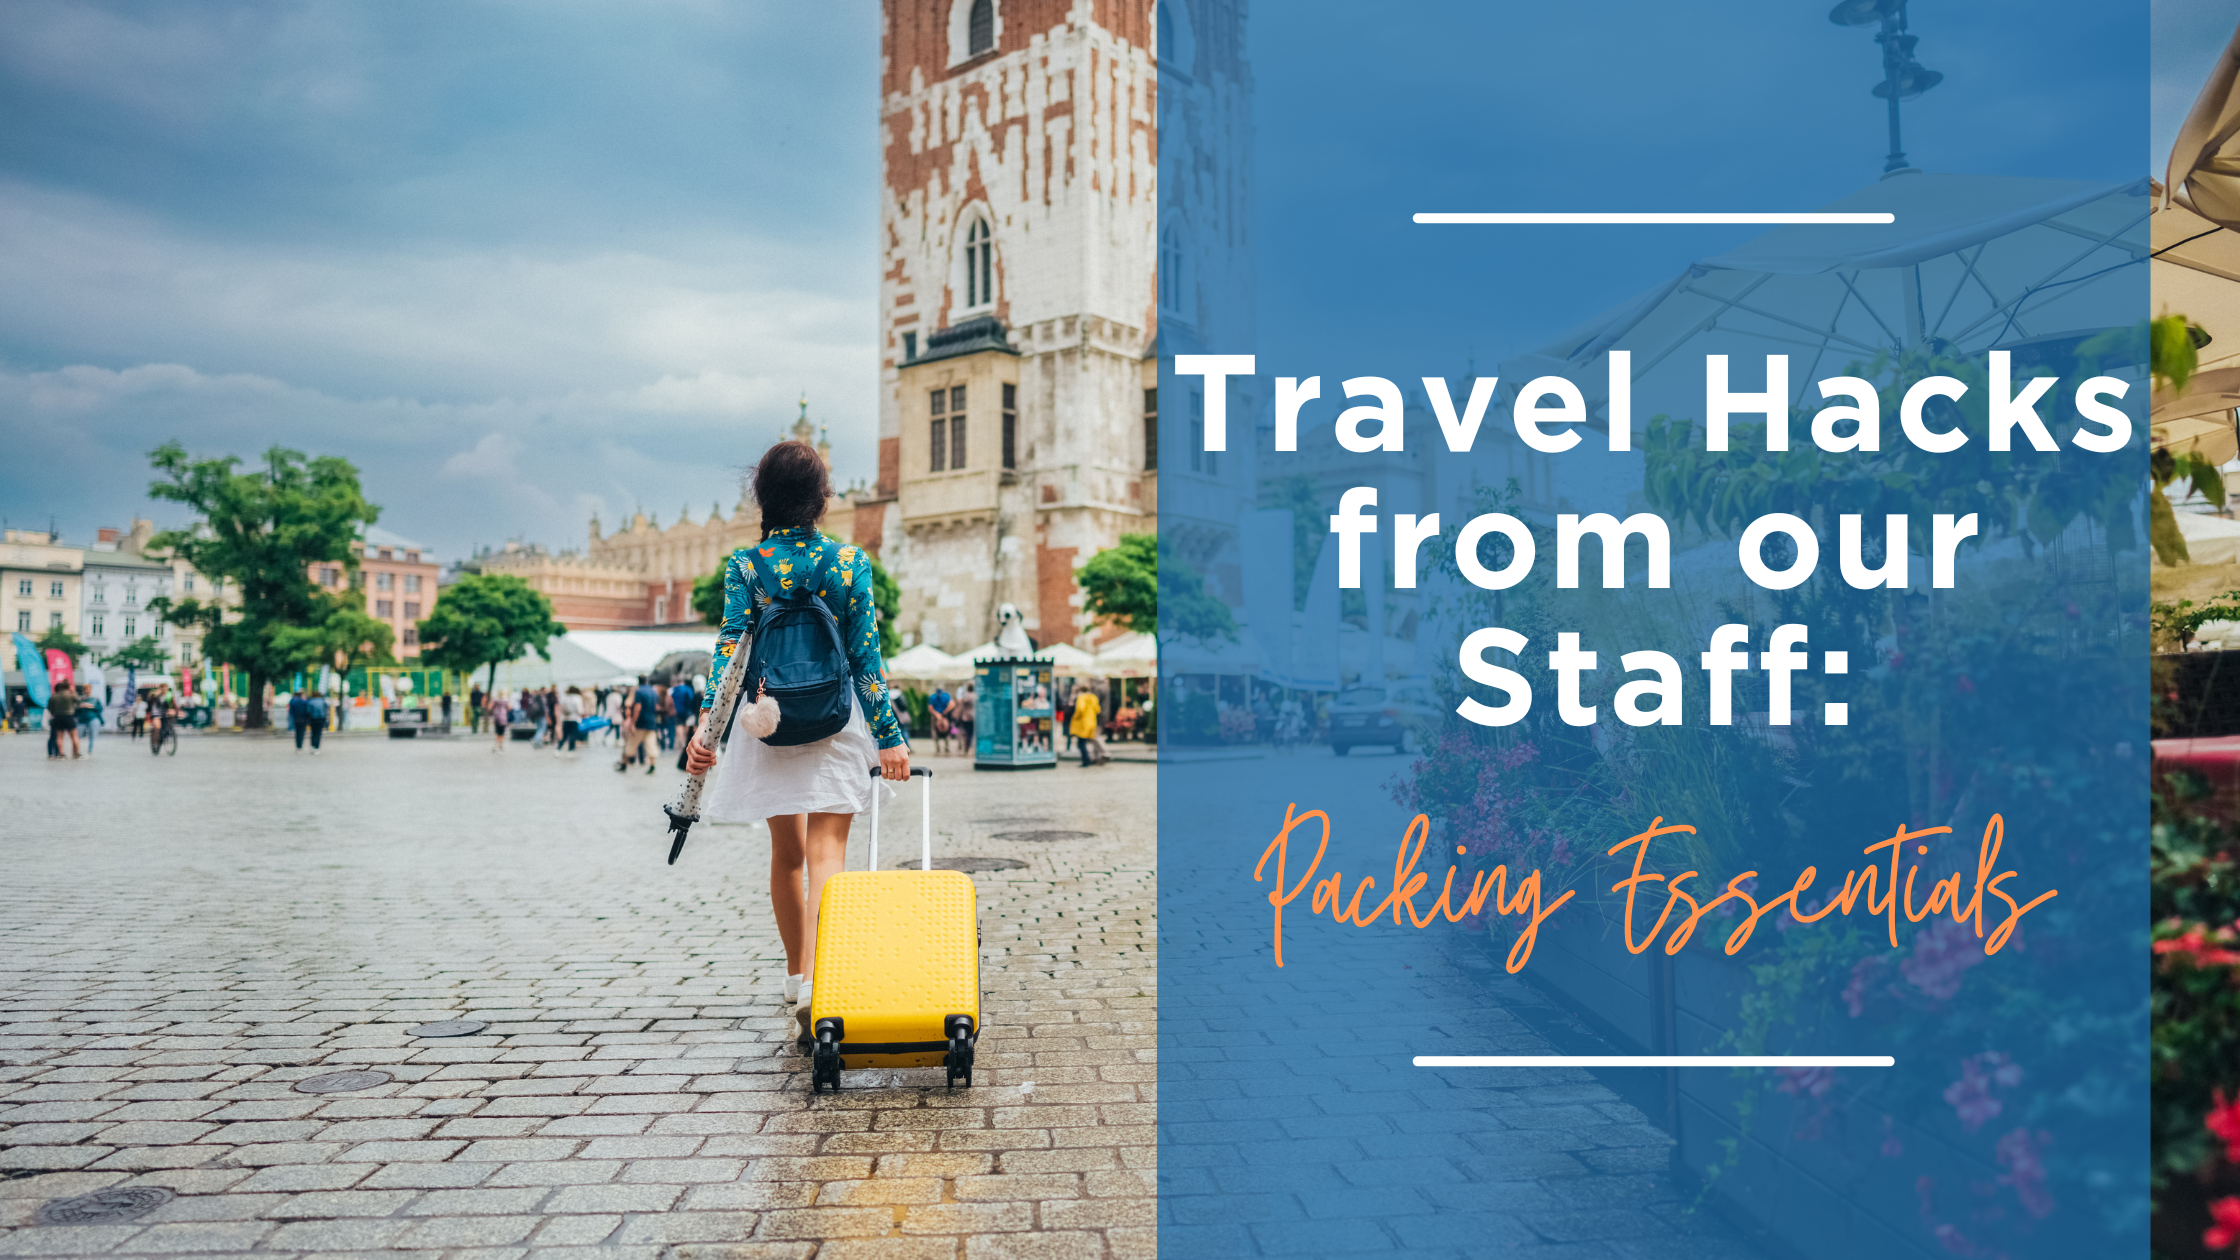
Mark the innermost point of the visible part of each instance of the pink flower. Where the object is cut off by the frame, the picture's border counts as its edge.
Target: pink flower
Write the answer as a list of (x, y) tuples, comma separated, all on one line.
[(1970, 1096), (2223, 1121), (1805, 1082), (2025, 1171), (2226, 1232), (1940, 955)]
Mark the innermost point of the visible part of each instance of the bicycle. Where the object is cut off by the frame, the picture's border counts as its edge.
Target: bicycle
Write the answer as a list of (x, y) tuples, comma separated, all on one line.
[(164, 739)]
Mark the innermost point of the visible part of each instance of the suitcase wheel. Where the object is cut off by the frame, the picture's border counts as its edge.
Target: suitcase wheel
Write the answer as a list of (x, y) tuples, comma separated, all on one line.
[(962, 1038), (824, 1067)]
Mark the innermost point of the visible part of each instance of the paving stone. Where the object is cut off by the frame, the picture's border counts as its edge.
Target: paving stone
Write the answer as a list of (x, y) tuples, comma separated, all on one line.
[(635, 1096)]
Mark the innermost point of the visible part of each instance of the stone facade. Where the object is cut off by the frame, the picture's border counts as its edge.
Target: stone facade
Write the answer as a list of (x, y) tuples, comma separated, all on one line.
[(641, 576), (1018, 216), (585, 594)]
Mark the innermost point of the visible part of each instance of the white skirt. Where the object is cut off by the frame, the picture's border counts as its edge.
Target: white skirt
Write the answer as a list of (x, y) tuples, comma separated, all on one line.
[(754, 780)]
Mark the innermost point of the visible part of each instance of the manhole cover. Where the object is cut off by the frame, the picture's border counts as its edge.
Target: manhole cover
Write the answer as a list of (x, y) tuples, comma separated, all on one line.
[(1044, 836), (342, 1082), (450, 1028), (969, 865), (1013, 821), (104, 1206)]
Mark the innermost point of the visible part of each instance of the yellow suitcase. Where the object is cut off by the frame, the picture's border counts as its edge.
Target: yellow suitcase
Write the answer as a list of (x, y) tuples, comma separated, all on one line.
[(897, 980)]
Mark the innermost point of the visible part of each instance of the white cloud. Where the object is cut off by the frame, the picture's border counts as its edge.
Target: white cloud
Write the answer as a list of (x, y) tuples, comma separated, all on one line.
[(451, 474)]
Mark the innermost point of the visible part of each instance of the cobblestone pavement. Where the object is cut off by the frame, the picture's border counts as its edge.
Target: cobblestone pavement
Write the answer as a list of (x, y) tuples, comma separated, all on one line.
[(182, 940)]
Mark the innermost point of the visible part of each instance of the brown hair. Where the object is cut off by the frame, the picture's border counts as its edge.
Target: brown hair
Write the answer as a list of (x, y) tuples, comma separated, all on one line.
[(790, 485)]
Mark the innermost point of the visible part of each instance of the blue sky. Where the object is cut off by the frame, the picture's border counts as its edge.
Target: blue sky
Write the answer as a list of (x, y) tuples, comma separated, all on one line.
[(520, 260)]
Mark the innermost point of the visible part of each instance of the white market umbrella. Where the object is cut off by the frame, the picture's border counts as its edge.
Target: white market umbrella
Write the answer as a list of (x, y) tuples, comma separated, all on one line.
[(1132, 655), (1069, 661), (1974, 262), (927, 663), (2209, 539)]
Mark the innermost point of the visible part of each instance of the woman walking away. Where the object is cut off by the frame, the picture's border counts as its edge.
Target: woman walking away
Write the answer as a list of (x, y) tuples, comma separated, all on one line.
[(571, 721), (495, 704), (809, 792)]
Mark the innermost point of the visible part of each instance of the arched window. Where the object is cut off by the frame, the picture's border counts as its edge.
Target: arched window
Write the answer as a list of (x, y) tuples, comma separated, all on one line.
[(980, 28), (979, 264), (1170, 268)]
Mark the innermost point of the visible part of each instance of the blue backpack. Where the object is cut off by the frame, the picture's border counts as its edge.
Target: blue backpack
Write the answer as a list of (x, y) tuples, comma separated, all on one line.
[(798, 656)]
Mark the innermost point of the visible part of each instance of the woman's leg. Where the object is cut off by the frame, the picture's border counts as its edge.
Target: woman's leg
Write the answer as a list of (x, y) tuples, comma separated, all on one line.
[(788, 847), (827, 854)]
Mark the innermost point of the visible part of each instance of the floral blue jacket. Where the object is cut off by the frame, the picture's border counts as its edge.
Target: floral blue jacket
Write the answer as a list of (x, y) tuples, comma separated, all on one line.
[(773, 565)]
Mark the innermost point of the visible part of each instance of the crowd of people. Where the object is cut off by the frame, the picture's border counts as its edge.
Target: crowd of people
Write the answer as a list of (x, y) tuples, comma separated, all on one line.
[(74, 714), (654, 714)]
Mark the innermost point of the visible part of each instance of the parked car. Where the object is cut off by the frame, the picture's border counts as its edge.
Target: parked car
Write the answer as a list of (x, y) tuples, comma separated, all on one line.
[(1399, 715)]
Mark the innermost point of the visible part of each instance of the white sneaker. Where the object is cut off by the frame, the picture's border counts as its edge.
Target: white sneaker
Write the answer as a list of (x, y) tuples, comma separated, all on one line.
[(801, 1010), (793, 989)]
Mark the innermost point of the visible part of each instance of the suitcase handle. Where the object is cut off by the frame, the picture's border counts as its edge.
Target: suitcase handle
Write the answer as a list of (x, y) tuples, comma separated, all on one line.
[(925, 824)]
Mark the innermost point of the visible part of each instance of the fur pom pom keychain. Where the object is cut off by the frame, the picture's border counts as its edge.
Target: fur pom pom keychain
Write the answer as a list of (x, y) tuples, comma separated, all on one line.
[(761, 717)]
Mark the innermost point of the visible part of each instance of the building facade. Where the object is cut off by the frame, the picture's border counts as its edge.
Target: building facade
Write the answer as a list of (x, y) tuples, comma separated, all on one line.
[(1017, 307), (41, 583), (120, 582), (586, 594), (640, 576), (398, 577)]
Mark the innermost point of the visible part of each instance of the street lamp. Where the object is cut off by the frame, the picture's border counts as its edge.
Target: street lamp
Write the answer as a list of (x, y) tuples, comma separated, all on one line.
[(1903, 78)]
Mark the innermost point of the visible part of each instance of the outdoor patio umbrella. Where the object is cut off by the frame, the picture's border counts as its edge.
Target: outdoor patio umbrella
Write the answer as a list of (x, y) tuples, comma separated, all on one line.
[(1069, 661), (927, 663), (1971, 263), (1132, 655)]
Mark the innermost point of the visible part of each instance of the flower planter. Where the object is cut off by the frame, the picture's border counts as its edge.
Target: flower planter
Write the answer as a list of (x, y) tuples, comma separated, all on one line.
[(1827, 1190)]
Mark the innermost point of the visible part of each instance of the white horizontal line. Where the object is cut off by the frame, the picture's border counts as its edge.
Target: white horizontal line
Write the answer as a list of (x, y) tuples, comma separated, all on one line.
[(1656, 1060), (1628, 217)]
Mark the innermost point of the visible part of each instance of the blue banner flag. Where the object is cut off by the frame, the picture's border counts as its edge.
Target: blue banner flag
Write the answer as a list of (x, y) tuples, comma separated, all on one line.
[(34, 666)]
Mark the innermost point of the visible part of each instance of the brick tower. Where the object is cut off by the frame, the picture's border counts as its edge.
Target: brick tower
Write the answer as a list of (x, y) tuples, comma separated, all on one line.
[(1017, 306)]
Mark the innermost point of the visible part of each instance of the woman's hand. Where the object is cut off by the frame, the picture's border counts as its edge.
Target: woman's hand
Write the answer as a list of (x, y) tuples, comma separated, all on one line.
[(894, 763), (698, 760)]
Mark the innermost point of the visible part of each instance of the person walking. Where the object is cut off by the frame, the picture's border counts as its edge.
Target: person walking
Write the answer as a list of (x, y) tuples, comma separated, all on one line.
[(571, 722), (641, 716), (963, 712), (298, 721), (1083, 727), (315, 718), (446, 705), (665, 708), (89, 715), (474, 709), (494, 708), (938, 705), (686, 702), (62, 720), (809, 793)]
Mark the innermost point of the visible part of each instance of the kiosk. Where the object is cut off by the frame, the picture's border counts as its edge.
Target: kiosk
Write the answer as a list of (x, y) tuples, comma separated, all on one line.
[(1013, 728)]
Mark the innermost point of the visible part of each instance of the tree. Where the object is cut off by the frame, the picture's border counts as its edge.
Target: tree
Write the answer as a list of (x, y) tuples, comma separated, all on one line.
[(707, 597), (485, 620), (343, 636), (1129, 584), (261, 531), (886, 597), (57, 639), (142, 653)]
